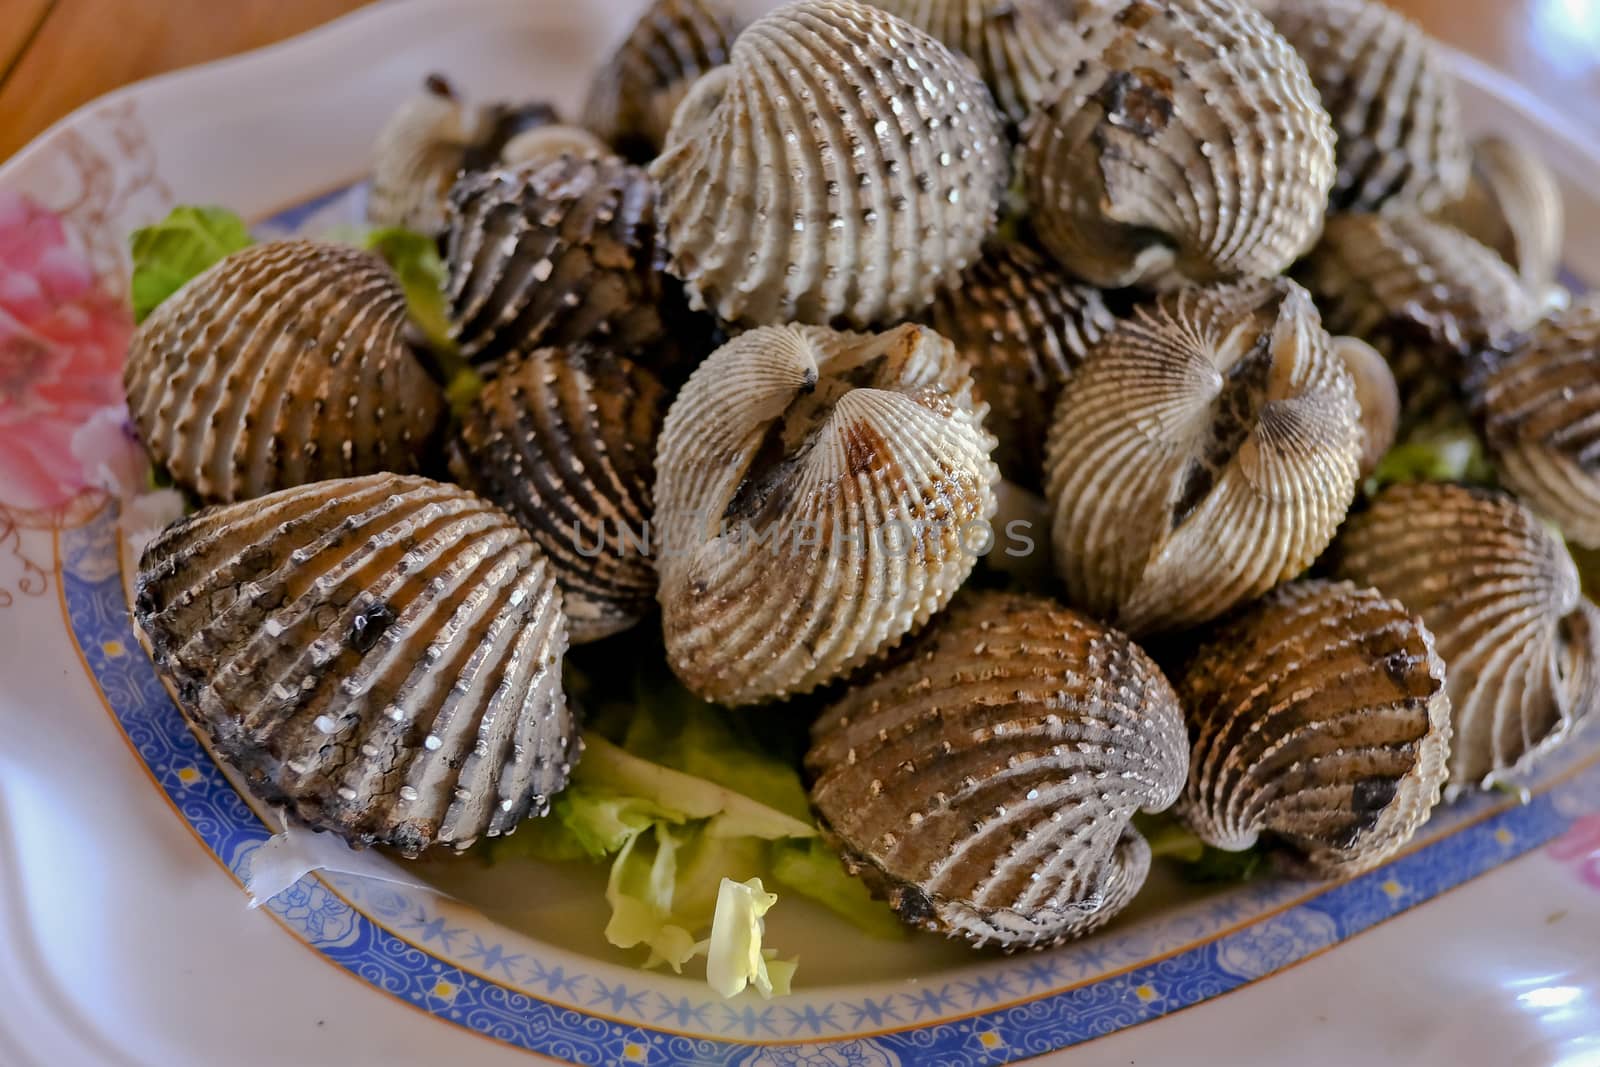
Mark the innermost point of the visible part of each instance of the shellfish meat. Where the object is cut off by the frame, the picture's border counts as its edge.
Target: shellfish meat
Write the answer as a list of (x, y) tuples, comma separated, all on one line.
[(1205, 452), (381, 655), (843, 165), (818, 496), (1513, 204), (983, 782), (283, 364), (1501, 595)]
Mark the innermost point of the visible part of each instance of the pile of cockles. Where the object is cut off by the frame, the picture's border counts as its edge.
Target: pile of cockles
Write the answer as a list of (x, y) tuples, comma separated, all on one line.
[(789, 313)]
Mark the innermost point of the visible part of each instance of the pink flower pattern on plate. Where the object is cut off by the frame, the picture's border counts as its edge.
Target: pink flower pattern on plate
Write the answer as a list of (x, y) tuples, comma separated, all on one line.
[(63, 336)]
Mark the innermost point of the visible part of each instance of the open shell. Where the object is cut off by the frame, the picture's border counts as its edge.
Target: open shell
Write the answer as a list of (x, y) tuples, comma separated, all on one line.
[(1376, 395), (1521, 645), (816, 499), (381, 655), (634, 94), (554, 252), (565, 440), (983, 782), (1392, 97), (1205, 452), (1191, 149), (843, 166), (1319, 718), (1426, 295), (1540, 411), (1513, 204), (1023, 326), (283, 364)]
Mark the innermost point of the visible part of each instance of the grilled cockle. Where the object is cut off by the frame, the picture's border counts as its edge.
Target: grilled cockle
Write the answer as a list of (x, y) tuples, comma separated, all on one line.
[(380, 655), (1018, 45), (1539, 408), (1513, 204), (633, 96), (1318, 718), (818, 496), (1392, 97), (564, 440), (982, 782), (283, 364), (1192, 148), (1426, 295), (427, 143), (553, 252), (1520, 644), (1022, 325), (1376, 395), (1205, 452), (843, 166)]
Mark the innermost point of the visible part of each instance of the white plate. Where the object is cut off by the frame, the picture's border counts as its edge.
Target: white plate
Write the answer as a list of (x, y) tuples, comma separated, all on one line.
[(122, 941)]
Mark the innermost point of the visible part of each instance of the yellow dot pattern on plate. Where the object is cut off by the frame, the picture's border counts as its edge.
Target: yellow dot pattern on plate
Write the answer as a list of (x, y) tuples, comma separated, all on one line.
[(1504, 836), (1393, 888), (990, 1040), (113, 648), (1146, 993), (444, 990), (636, 1052), (188, 775)]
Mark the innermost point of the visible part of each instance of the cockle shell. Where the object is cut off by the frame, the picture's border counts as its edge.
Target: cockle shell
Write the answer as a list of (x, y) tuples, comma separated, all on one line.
[(1426, 295), (554, 252), (1376, 395), (381, 655), (283, 364), (1192, 149), (1022, 325), (818, 496), (1018, 45), (1513, 204), (1540, 412), (983, 781), (633, 96), (1392, 97), (1500, 593), (1205, 452), (1319, 718), (428, 141), (843, 166), (564, 440)]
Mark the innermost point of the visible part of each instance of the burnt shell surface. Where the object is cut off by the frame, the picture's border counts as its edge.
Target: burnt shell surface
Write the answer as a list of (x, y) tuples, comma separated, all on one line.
[(1191, 148), (840, 169), (283, 364), (983, 781), (381, 655), (815, 496), (1502, 597), (1205, 452), (564, 440), (1317, 717)]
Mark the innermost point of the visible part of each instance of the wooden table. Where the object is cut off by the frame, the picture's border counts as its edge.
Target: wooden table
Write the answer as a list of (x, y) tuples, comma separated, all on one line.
[(58, 54)]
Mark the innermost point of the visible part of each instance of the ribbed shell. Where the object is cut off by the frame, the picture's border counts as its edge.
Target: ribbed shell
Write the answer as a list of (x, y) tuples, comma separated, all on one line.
[(1205, 452), (812, 496), (983, 782), (1017, 44), (1392, 97), (1319, 718), (1192, 149), (633, 96), (1513, 204), (1519, 642), (283, 364), (1426, 295), (1377, 397), (843, 167), (565, 440), (554, 252), (1540, 411), (1023, 326), (382, 655)]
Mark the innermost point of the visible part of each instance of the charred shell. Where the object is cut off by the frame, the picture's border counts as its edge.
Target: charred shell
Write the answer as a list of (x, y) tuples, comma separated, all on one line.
[(983, 782), (285, 363), (380, 655)]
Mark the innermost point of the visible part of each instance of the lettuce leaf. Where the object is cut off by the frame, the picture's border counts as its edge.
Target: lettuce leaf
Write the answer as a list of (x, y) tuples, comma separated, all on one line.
[(1453, 454), (811, 869), (178, 248), (734, 955), (415, 260)]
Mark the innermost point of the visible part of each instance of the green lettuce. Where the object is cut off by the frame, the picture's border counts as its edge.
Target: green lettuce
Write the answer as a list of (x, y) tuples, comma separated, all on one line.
[(415, 260), (735, 957), (178, 248), (811, 869), (1453, 454)]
